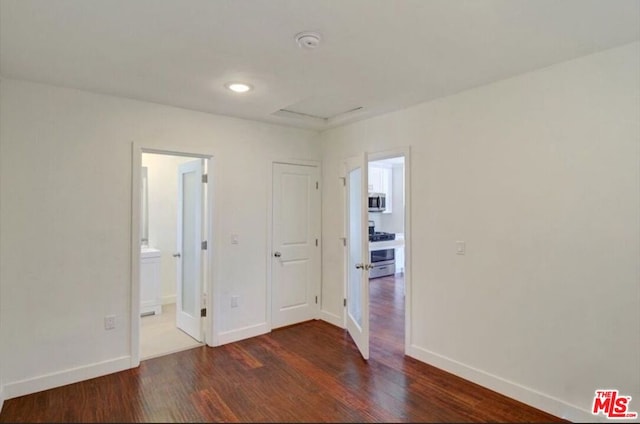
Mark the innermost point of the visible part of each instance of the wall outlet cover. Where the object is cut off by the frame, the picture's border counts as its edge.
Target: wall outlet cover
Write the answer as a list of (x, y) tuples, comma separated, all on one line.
[(109, 322)]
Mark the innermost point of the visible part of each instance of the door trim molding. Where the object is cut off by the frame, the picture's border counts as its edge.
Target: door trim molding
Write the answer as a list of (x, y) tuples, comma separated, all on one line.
[(270, 163), (211, 330)]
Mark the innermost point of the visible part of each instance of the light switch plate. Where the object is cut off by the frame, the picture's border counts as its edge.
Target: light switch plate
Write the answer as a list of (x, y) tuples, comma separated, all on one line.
[(109, 322), (461, 247)]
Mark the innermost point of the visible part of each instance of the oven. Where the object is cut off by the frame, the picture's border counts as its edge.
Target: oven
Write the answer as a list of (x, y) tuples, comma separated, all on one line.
[(382, 255), (383, 262)]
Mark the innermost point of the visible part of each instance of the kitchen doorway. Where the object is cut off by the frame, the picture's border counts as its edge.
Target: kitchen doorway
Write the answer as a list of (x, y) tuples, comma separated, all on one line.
[(387, 253), (380, 260)]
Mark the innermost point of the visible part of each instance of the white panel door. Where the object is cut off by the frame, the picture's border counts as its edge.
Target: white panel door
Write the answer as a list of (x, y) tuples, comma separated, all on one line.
[(358, 253), (295, 276), (189, 254)]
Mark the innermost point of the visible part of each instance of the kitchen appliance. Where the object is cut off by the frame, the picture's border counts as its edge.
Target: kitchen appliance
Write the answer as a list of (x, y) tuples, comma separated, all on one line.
[(379, 235), (377, 202), (383, 263)]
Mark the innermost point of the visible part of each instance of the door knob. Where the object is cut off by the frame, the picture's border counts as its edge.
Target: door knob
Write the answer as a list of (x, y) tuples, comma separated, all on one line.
[(368, 266), (176, 255), (359, 266), (277, 254)]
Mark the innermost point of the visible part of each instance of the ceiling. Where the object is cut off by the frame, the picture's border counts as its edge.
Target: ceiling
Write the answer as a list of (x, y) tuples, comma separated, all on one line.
[(375, 56)]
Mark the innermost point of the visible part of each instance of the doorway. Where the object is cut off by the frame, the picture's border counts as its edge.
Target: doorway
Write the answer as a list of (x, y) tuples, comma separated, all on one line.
[(174, 259), (377, 255), (386, 255)]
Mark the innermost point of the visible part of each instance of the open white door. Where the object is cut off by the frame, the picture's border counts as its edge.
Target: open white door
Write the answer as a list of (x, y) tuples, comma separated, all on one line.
[(358, 253), (189, 245)]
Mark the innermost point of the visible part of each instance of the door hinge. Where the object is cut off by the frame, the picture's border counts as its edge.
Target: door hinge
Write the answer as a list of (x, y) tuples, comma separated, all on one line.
[(344, 302), (205, 178), (204, 245), (344, 241), (344, 181), (203, 312), (316, 300), (317, 185), (316, 242)]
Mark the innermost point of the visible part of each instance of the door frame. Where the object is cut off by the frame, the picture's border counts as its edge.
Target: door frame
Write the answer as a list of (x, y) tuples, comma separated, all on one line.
[(301, 162), (210, 262), (404, 151)]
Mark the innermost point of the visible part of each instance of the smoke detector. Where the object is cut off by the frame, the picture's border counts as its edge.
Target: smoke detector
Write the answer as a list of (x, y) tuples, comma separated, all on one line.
[(308, 39)]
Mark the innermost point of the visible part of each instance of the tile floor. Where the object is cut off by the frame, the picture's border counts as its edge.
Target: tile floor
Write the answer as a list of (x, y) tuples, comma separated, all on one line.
[(159, 335)]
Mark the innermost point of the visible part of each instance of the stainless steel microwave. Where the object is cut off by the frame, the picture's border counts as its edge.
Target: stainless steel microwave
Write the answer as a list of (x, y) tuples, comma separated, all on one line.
[(377, 202)]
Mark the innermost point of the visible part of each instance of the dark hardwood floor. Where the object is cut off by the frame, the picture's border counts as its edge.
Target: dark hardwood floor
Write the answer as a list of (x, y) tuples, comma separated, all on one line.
[(307, 372)]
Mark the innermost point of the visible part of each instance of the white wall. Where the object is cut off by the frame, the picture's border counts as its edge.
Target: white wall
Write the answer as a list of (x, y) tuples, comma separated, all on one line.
[(394, 222), (66, 214), (540, 175), (163, 215), (2, 349)]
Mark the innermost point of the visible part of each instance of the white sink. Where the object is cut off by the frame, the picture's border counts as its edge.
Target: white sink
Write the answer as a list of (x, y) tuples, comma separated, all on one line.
[(149, 252)]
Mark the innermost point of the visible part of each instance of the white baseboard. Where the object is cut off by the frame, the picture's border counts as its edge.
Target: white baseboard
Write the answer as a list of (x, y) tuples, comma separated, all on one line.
[(332, 318), (1, 396), (62, 378), (513, 390), (168, 300), (242, 333)]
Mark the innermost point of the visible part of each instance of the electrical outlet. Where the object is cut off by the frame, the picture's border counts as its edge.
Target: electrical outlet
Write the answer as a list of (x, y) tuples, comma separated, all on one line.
[(461, 247), (234, 301), (109, 322)]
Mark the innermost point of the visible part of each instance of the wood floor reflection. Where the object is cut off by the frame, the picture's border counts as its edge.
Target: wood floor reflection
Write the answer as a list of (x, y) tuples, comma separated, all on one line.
[(310, 372)]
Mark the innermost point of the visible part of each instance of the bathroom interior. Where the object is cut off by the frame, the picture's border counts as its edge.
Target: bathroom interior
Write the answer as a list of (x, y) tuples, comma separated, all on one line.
[(159, 333)]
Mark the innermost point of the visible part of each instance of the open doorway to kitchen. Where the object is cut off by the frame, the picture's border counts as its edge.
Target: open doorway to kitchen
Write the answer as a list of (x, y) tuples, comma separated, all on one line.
[(387, 229), (173, 252)]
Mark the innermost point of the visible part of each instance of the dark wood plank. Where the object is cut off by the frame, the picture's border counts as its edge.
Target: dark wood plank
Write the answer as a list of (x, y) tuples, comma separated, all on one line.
[(310, 372)]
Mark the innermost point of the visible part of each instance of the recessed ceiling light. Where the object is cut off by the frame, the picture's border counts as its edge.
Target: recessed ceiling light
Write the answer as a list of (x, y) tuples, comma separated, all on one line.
[(238, 87)]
